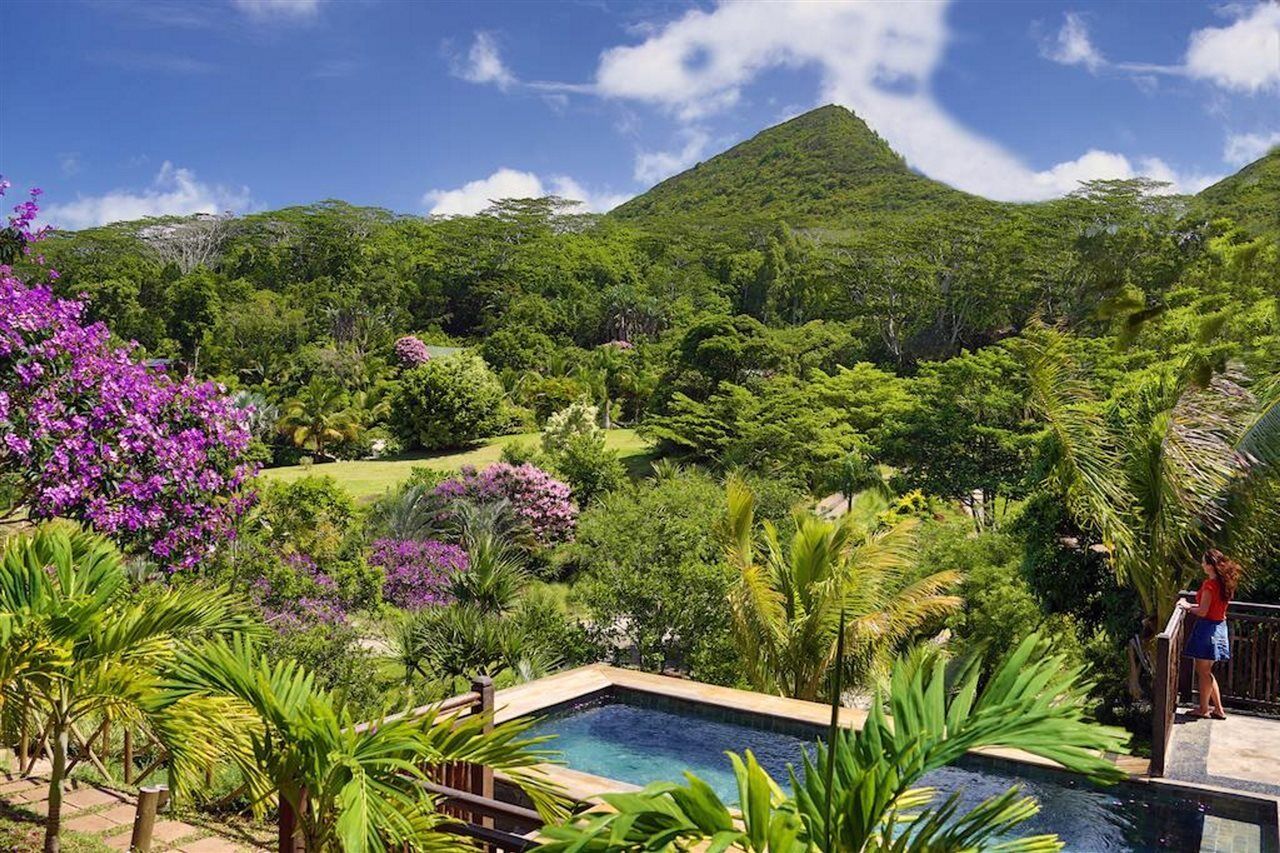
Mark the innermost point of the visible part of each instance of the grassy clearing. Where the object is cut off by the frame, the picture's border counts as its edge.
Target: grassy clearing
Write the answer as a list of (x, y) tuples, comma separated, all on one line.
[(368, 479)]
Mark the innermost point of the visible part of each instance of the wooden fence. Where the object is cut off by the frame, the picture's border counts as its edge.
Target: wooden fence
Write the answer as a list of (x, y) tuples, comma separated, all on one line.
[(464, 791), (1164, 688), (1249, 681)]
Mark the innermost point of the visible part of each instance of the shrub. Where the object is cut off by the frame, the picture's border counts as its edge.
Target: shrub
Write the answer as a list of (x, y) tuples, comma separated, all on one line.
[(313, 516), (417, 573), (447, 403), (591, 468), (411, 351), (294, 594), (576, 420), (538, 498), (87, 431), (523, 453)]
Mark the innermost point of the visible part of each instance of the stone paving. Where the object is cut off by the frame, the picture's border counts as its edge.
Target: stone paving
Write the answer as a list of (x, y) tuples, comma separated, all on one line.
[(1241, 752), (109, 815)]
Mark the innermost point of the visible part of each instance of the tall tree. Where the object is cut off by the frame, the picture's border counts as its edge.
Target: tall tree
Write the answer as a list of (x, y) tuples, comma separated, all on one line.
[(1152, 471)]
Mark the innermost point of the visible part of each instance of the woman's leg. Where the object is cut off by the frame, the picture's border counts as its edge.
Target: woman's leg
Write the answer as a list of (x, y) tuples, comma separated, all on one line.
[(1216, 698), (1205, 683)]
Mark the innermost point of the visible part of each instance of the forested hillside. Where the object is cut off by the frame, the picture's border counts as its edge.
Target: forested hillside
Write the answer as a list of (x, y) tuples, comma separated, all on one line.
[(825, 169), (1062, 404), (1251, 196)]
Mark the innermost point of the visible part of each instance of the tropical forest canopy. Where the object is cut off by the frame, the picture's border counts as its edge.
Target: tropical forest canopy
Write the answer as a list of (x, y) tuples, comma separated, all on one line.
[(1037, 414)]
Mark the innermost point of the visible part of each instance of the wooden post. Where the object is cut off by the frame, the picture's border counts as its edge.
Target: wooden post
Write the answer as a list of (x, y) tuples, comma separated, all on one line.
[(104, 747), (481, 782), (1164, 681), (22, 738), (144, 820), (127, 758)]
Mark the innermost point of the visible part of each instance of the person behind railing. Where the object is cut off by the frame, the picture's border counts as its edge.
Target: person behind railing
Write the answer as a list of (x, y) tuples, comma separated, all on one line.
[(1208, 642)]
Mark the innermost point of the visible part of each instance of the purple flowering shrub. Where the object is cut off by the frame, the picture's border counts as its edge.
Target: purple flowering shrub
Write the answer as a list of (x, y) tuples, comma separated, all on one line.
[(88, 432), (418, 573), (294, 594), (537, 497), (411, 351)]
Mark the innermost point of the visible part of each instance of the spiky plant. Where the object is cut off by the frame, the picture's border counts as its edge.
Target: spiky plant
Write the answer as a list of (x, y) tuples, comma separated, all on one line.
[(81, 646), (353, 787), (788, 597), (318, 416)]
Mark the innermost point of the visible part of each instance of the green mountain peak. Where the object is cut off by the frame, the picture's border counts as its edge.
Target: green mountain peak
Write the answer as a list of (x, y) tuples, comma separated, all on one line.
[(825, 167)]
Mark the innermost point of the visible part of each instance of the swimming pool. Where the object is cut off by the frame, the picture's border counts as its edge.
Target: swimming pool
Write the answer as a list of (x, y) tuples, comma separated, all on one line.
[(639, 738)]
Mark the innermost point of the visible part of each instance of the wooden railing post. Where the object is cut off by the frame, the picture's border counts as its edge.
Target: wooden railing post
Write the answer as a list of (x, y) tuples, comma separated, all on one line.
[(482, 774), (22, 738), (127, 758), (144, 819), (1164, 689)]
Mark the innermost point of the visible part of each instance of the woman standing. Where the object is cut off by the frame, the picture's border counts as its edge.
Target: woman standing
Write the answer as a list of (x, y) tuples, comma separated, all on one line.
[(1208, 642)]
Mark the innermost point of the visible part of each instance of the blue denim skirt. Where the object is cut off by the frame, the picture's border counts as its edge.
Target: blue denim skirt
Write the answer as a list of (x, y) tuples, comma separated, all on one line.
[(1208, 641)]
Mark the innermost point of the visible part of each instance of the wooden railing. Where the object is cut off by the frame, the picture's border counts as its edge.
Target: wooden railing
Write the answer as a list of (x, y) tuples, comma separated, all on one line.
[(1249, 681), (1164, 688), (464, 791)]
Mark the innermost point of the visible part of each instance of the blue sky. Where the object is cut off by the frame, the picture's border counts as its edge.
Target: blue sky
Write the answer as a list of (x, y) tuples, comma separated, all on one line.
[(131, 108)]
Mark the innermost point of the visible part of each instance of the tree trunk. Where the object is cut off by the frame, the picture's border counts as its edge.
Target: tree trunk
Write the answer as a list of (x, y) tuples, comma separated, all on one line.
[(53, 825), (608, 424)]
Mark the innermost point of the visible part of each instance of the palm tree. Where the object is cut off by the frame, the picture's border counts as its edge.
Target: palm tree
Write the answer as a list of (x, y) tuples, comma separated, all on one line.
[(352, 787), (317, 416), (80, 647), (1157, 475), (860, 793), (787, 601)]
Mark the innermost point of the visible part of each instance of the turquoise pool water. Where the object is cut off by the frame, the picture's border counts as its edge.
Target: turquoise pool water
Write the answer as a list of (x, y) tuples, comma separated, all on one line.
[(639, 739)]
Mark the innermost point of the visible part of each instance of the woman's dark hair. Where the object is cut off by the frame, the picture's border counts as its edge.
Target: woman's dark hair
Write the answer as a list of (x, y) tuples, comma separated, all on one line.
[(1225, 569)]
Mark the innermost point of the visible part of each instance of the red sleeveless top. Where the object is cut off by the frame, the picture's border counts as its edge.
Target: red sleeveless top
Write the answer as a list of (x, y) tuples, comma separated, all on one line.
[(1212, 592)]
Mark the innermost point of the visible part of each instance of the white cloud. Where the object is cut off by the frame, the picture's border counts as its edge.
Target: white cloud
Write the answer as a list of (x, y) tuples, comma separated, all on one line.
[(475, 196), (1244, 56), (654, 166), (875, 58), (1072, 45), (174, 192), (1096, 165), (296, 10), (483, 64), (1243, 148)]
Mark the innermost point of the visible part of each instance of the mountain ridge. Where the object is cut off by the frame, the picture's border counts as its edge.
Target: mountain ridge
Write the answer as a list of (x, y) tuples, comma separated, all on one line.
[(829, 168)]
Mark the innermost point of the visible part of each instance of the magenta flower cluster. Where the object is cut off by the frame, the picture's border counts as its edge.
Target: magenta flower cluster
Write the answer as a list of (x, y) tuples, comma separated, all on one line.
[(417, 574), (411, 351), (537, 497), (90, 433), (308, 598)]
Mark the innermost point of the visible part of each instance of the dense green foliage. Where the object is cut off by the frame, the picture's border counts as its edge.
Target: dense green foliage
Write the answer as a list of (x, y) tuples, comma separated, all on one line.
[(804, 312)]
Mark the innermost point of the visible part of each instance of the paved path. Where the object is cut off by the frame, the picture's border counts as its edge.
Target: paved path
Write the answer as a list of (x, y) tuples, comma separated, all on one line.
[(1241, 752), (108, 815)]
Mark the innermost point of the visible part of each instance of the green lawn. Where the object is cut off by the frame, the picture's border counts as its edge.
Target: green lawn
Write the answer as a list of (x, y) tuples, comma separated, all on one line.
[(368, 479)]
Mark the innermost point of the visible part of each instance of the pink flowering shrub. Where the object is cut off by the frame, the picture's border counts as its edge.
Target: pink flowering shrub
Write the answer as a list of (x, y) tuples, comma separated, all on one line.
[(417, 573), (537, 497), (88, 432), (411, 351), (298, 596)]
